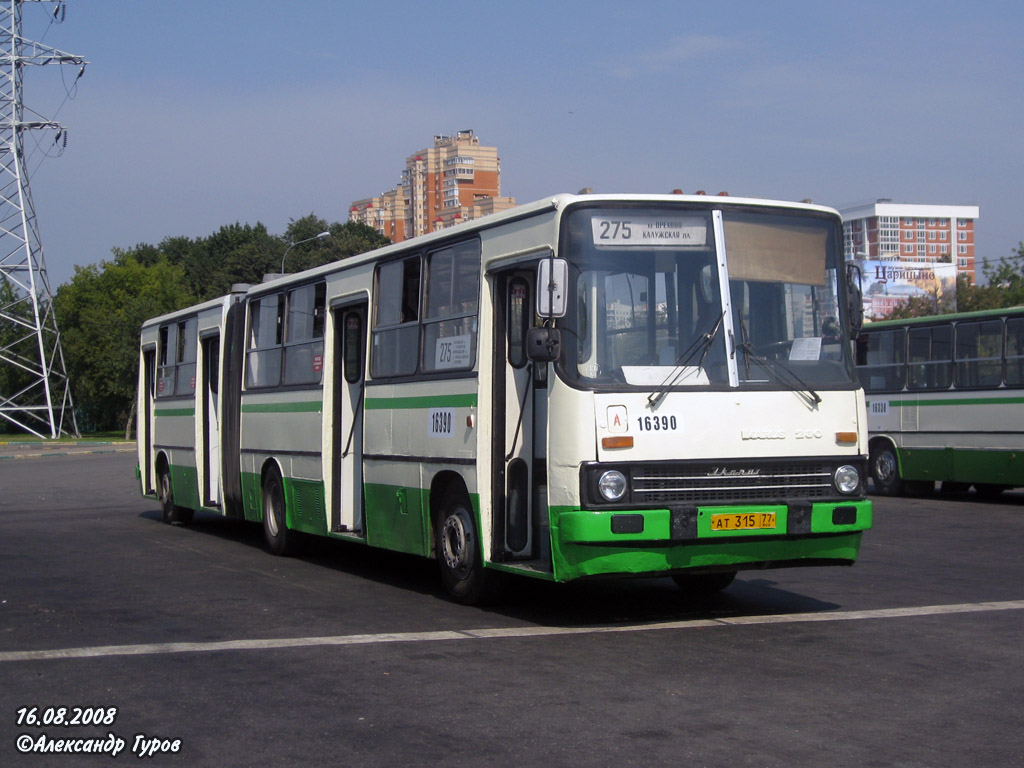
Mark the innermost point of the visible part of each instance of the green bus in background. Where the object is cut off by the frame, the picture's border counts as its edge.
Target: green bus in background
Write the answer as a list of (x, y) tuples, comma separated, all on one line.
[(945, 399)]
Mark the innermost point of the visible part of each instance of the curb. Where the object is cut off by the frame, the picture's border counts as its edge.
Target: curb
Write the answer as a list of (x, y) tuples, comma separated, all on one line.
[(52, 452), (8, 443)]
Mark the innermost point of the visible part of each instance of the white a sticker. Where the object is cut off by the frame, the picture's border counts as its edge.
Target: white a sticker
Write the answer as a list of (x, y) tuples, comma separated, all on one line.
[(441, 422)]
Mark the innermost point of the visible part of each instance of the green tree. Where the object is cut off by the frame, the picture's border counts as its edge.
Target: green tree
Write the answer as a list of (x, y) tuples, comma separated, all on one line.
[(348, 239), (100, 312), (1007, 277), (102, 309), (237, 253)]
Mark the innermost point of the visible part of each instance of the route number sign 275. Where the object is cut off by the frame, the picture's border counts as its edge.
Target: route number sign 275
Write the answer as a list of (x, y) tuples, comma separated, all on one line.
[(649, 231)]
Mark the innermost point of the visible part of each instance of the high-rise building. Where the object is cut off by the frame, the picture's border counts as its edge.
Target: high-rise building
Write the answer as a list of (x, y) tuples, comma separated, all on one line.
[(455, 180), (886, 231)]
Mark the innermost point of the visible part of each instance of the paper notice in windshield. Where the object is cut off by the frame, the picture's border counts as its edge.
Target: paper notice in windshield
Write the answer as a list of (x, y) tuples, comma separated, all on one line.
[(649, 231)]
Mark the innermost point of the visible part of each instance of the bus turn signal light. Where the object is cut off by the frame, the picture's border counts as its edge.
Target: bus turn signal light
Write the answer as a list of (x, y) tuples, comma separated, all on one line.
[(619, 441), (846, 438)]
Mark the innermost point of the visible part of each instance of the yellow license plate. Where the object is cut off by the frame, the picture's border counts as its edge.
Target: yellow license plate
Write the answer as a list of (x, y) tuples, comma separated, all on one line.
[(747, 521)]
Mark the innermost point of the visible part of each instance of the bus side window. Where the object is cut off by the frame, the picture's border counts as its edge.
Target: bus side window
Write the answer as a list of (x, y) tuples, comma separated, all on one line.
[(263, 367), (1015, 352), (979, 354), (353, 347), (881, 357), (185, 375), (396, 330), (450, 308), (165, 372), (304, 335), (931, 357), (519, 316)]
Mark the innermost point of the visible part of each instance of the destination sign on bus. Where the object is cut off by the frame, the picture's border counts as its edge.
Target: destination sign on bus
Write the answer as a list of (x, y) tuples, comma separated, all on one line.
[(649, 231), (453, 352)]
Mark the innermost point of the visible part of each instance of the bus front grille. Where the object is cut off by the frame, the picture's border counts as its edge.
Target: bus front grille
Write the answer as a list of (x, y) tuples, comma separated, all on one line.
[(731, 482)]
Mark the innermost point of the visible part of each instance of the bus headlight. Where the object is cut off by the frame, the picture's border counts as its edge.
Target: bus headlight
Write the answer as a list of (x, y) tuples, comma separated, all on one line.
[(847, 479), (612, 485)]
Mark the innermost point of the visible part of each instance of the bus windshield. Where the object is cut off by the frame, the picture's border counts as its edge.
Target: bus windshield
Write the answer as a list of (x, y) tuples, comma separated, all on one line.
[(663, 298)]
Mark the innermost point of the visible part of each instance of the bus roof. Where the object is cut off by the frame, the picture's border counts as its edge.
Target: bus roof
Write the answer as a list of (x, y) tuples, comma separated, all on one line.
[(555, 202), (187, 311), (951, 317)]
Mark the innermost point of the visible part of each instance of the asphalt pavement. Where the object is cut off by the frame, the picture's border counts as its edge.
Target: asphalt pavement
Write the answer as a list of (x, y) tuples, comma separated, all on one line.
[(196, 645)]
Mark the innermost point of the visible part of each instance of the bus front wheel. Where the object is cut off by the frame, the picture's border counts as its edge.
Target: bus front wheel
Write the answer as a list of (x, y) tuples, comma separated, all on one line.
[(703, 584), (885, 471), (173, 514), (460, 555), (280, 540)]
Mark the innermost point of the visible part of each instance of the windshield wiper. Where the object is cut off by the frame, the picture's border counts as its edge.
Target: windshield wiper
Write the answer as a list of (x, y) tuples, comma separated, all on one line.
[(702, 345), (794, 383)]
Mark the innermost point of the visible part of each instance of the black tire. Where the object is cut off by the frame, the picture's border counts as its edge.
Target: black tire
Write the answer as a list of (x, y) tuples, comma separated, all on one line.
[(953, 487), (173, 514), (280, 539), (918, 487), (885, 471), (460, 555), (989, 491), (703, 584)]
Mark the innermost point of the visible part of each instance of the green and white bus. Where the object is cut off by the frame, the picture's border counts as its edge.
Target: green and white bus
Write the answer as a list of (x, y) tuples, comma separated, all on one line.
[(945, 401), (588, 385)]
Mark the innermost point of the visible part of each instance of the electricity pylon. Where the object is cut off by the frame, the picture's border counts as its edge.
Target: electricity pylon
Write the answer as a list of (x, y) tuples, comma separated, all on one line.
[(35, 393)]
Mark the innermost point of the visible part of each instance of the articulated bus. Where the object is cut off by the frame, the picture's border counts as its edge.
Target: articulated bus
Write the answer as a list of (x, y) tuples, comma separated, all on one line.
[(589, 385), (945, 401)]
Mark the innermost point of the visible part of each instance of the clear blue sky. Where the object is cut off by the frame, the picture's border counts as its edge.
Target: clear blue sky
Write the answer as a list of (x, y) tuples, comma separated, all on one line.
[(194, 114)]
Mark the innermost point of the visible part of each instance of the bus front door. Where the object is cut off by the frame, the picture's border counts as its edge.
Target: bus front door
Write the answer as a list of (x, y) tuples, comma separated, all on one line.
[(347, 428), (517, 500)]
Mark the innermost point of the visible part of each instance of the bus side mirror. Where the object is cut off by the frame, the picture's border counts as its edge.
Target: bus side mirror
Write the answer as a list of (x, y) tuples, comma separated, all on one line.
[(552, 279), (543, 345), (855, 299)]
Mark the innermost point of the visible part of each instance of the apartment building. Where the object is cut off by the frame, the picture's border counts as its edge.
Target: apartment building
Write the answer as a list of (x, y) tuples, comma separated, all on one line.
[(886, 231), (455, 180)]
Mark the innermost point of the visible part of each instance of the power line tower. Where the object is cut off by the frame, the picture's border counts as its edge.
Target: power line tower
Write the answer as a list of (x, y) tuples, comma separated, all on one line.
[(35, 394)]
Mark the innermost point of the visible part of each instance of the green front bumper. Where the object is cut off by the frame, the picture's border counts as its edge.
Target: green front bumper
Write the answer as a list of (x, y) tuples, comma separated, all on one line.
[(589, 543)]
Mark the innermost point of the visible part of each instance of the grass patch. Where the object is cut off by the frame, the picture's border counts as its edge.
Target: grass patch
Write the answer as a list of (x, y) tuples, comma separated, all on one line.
[(116, 436)]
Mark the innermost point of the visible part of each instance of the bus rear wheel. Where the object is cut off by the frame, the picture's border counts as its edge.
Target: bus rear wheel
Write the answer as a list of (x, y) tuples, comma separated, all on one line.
[(172, 513), (280, 539), (989, 491), (460, 556), (885, 471)]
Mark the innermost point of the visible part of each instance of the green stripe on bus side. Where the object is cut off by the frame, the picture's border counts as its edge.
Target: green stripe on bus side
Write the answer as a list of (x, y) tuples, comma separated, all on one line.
[(174, 412), (431, 401), (309, 407), (959, 401)]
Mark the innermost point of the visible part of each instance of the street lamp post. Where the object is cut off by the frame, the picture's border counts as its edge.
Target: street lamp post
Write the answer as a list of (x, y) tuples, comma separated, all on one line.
[(300, 242)]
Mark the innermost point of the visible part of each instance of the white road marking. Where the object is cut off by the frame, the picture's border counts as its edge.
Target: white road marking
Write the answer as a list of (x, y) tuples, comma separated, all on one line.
[(150, 649)]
